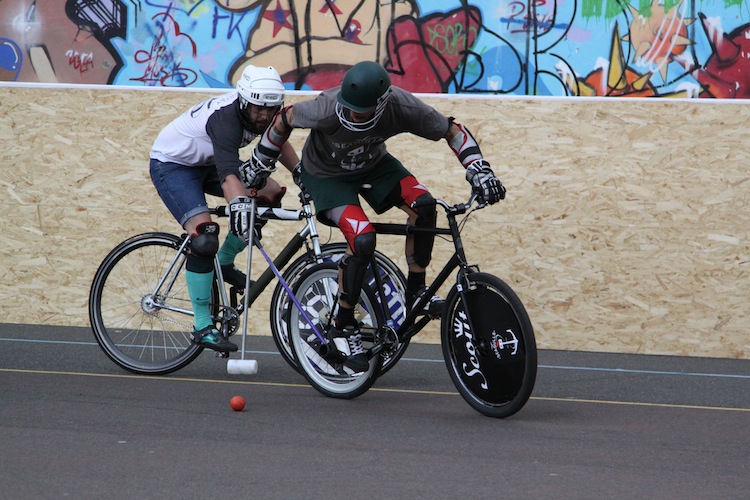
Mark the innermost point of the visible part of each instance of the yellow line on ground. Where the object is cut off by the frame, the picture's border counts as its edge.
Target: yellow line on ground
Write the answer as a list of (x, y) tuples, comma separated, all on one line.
[(210, 381), (400, 391), (636, 403), (154, 377)]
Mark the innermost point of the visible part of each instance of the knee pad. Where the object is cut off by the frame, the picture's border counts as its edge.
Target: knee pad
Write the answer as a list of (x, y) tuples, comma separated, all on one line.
[(423, 243), (355, 266), (364, 245), (360, 236), (205, 243)]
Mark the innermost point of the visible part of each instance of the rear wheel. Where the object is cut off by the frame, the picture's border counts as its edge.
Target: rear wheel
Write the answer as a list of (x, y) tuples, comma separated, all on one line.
[(395, 290), (489, 346), (317, 291), (144, 330)]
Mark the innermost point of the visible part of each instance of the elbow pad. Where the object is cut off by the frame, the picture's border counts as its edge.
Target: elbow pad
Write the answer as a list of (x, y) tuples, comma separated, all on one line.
[(465, 146)]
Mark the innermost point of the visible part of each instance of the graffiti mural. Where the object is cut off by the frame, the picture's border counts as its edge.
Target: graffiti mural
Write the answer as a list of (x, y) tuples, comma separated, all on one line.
[(641, 48)]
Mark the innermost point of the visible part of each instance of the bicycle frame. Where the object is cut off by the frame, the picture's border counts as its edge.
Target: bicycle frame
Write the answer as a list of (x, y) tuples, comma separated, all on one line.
[(410, 325), (481, 319), (309, 231), (166, 282), (282, 259)]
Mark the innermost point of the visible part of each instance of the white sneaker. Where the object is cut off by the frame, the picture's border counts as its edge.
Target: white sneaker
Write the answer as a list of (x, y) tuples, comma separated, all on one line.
[(349, 342)]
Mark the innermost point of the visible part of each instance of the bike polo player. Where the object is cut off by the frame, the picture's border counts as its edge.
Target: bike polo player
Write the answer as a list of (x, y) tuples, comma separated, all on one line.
[(346, 149), (198, 153)]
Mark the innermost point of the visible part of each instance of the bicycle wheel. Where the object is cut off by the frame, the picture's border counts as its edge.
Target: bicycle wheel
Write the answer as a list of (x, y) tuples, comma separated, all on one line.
[(317, 291), (395, 289), (495, 372), (142, 331)]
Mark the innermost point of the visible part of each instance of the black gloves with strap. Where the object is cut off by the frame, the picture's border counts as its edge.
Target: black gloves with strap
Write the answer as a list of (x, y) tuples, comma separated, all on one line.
[(487, 187)]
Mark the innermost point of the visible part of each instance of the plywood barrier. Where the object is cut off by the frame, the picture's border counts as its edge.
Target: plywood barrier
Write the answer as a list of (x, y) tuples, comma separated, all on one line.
[(625, 228)]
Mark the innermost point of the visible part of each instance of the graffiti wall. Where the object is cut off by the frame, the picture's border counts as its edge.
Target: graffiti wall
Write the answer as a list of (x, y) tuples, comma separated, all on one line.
[(668, 48)]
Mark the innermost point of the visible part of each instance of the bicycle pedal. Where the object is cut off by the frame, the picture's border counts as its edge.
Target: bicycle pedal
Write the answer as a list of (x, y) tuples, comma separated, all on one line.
[(221, 354), (329, 352), (435, 309), (334, 356)]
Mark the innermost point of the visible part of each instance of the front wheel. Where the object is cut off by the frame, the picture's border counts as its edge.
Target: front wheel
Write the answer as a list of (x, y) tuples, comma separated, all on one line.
[(394, 287), (489, 346), (143, 329), (317, 293)]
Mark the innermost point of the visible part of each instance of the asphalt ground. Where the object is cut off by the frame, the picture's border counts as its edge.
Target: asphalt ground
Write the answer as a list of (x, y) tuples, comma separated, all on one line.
[(74, 425)]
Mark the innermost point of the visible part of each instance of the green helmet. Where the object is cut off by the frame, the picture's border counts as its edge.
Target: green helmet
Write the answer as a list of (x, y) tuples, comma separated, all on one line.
[(363, 86)]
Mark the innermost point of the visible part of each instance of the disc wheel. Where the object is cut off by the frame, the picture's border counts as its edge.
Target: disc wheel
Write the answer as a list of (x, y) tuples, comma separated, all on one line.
[(489, 346)]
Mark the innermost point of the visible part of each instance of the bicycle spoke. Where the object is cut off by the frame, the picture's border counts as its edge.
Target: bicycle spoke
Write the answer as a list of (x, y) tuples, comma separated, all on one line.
[(141, 332), (323, 366)]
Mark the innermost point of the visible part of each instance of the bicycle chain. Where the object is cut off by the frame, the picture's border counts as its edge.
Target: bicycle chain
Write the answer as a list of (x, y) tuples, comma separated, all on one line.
[(166, 318)]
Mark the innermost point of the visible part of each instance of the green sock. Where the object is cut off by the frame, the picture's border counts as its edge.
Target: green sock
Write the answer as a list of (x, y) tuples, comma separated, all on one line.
[(199, 288), (229, 250)]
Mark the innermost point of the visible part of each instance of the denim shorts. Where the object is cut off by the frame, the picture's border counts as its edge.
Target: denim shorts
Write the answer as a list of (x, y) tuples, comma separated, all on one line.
[(182, 188)]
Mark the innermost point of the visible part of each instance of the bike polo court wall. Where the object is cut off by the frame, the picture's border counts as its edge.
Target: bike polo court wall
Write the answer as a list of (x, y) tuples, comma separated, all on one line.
[(625, 228)]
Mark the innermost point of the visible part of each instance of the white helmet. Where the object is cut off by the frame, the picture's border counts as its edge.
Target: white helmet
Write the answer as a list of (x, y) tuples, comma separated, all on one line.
[(260, 86)]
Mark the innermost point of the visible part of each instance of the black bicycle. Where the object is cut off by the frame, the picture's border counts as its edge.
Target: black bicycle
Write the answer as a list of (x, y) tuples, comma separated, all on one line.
[(487, 338), (141, 314)]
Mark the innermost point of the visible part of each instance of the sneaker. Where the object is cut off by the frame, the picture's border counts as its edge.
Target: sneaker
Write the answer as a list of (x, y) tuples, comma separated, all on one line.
[(234, 276), (433, 308), (349, 342), (211, 338)]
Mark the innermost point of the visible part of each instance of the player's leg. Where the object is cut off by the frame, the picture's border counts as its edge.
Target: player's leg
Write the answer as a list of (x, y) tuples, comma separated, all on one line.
[(181, 190)]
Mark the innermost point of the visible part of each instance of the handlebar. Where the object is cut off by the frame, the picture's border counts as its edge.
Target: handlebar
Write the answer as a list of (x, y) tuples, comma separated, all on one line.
[(457, 209), (265, 213), (270, 213)]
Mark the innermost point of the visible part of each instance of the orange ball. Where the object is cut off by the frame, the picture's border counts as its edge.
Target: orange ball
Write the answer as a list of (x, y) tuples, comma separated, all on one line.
[(237, 403)]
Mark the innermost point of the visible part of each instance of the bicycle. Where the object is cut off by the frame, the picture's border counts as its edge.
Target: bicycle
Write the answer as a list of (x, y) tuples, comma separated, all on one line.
[(140, 311), (487, 338)]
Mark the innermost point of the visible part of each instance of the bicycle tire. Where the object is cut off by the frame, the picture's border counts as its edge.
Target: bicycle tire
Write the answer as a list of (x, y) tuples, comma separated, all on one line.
[(496, 373), (332, 252), (317, 291), (132, 327)]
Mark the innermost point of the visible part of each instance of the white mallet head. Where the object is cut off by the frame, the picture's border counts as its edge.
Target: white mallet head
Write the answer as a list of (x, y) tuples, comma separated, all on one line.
[(242, 367)]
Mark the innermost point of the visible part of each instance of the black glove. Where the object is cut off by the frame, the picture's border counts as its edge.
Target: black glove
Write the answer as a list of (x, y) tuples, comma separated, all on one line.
[(487, 187), (239, 217), (255, 171), (297, 176)]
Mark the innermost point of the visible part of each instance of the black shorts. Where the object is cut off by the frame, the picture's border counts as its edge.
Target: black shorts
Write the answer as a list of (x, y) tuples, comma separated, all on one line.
[(332, 192)]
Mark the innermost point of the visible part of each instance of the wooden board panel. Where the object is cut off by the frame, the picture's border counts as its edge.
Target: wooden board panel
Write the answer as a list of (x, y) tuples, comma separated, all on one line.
[(625, 228)]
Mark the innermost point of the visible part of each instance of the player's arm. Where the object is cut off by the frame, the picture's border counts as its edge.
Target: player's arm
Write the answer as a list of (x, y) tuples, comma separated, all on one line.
[(463, 144), (272, 145), (288, 156), (478, 171), (269, 148)]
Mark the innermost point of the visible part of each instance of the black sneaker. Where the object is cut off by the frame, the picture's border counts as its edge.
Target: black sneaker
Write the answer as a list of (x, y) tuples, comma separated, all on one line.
[(348, 341), (211, 338), (234, 276), (433, 308)]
